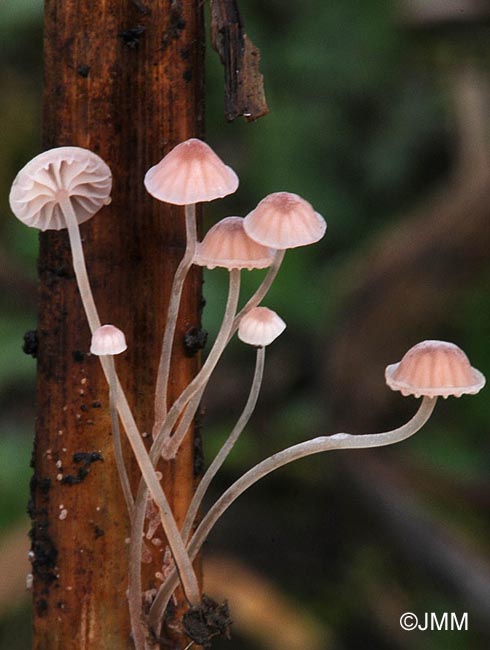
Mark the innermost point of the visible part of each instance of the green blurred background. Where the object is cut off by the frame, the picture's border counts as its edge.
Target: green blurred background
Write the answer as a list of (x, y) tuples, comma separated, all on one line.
[(378, 118)]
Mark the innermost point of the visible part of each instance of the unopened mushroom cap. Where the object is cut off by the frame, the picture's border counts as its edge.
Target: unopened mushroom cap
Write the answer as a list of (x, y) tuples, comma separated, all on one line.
[(260, 326), (190, 173), (432, 369), (106, 340), (284, 220), (227, 245), (65, 171)]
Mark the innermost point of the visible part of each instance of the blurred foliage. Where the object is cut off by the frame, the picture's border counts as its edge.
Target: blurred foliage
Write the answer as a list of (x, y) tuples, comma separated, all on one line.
[(360, 125)]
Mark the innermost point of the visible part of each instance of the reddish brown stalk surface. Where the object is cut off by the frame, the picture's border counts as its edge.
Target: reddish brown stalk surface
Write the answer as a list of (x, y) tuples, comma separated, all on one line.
[(127, 84)]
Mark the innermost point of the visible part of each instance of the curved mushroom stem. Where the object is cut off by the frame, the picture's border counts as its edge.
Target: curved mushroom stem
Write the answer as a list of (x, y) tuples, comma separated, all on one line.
[(135, 593), (135, 550), (202, 377), (116, 436), (172, 315), (171, 444), (79, 263), (228, 446), (182, 401), (181, 558), (262, 290), (314, 446)]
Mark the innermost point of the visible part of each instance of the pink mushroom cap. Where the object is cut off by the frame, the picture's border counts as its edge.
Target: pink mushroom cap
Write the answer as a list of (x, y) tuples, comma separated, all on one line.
[(432, 369), (260, 326), (283, 220), (72, 172), (108, 340), (227, 245), (190, 173)]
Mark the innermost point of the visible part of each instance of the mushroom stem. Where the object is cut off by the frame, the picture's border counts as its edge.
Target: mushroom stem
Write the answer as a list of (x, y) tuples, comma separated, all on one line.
[(228, 445), (172, 315), (186, 572), (262, 290), (314, 446), (202, 377), (171, 445), (194, 387), (166, 428), (135, 593), (116, 435), (79, 263), (182, 562)]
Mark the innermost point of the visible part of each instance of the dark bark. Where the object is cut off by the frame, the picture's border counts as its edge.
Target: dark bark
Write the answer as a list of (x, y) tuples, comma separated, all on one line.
[(125, 81), (244, 84)]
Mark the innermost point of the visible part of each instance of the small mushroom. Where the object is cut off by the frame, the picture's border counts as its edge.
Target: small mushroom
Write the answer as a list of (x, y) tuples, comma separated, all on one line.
[(433, 369), (228, 246), (260, 326), (284, 220), (62, 188), (107, 341), (190, 173)]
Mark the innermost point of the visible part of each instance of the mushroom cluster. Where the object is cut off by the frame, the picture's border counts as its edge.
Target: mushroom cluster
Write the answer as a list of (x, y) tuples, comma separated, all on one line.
[(64, 187)]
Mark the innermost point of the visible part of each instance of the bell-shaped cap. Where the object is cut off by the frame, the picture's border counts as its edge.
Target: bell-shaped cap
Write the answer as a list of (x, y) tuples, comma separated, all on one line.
[(227, 245), (190, 173), (72, 172), (433, 369), (284, 220), (108, 340), (260, 326)]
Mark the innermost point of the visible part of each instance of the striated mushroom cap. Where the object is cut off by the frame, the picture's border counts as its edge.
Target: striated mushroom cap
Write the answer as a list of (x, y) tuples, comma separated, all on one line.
[(106, 340), (260, 326), (227, 245), (284, 220), (65, 171), (190, 173), (432, 369)]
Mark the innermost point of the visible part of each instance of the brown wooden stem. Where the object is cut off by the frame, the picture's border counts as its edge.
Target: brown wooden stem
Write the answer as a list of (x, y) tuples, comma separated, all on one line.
[(124, 80)]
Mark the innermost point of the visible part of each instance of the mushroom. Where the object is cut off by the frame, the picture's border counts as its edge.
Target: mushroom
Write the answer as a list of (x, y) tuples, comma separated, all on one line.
[(279, 459), (434, 368), (284, 220), (260, 327), (190, 173), (281, 220), (107, 341), (62, 188), (227, 245), (432, 363)]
